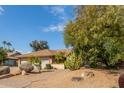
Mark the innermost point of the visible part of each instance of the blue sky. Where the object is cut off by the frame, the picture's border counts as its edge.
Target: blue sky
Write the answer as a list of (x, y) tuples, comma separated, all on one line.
[(22, 24)]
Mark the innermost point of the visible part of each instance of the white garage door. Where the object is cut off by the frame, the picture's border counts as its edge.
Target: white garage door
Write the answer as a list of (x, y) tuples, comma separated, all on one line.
[(24, 62), (44, 62)]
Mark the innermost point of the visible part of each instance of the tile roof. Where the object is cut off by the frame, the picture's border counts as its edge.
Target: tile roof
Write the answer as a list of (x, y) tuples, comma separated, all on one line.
[(13, 55), (42, 53)]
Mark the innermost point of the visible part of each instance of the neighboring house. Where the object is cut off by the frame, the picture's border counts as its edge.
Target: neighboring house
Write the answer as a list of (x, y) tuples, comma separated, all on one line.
[(11, 59), (47, 56)]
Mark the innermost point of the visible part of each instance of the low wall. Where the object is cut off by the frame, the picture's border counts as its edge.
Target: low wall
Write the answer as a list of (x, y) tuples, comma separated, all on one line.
[(58, 66)]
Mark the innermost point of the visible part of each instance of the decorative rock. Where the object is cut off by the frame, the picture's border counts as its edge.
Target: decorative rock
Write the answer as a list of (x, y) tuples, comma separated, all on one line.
[(76, 78), (23, 73), (27, 67), (90, 74), (121, 81), (16, 71), (82, 75), (4, 70), (36, 68)]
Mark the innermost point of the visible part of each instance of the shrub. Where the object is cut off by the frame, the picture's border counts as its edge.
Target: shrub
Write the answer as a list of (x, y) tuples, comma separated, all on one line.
[(72, 62), (48, 66), (93, 65), (35, 60), (60, 57)]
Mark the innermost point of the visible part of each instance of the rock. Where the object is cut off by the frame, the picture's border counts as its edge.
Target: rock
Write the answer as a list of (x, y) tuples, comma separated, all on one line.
[(77, 78), (121, 81), (87, 66), (36, 68), (16, 71), (23, 73), (4, 70), (82, 75), (27, 67), (90, 74)]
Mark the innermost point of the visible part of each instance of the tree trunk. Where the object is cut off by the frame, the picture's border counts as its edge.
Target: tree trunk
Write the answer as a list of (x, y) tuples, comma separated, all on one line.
[(105, 62)]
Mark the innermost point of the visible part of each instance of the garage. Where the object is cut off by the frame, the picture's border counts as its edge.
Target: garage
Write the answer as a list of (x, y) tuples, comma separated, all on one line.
[(44, 62)]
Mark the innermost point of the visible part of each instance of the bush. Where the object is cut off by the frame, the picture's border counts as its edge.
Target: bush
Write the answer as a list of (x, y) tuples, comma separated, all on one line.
[(93, 65), (36, 61), (60, 57), (48, 66), (72, 62)]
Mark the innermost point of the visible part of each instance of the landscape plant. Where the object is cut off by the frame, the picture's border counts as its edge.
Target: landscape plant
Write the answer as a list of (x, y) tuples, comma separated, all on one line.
[(48, 66), (72, 62), (36, 61), (60, 57)]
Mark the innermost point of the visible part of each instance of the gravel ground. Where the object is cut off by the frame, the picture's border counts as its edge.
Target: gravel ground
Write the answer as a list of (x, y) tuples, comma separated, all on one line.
[(62, 79)]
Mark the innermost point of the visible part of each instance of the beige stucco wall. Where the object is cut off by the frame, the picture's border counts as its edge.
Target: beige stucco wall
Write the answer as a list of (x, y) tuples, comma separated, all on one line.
[(43, 59), (58, 66)]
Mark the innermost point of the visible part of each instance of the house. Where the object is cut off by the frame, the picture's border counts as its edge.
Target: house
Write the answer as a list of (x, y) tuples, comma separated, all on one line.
[(47, 56), (11, 59)]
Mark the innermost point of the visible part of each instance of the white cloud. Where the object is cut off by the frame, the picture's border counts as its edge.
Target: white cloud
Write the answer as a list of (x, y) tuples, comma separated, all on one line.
[(57, 10), (60, 12), (1, 10), (54, 28)]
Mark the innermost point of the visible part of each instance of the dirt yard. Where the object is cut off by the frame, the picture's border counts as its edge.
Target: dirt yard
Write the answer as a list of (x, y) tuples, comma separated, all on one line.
[(63, 79)]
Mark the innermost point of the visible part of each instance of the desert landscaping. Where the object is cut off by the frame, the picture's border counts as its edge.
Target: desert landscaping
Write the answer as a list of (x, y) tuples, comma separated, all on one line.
[(64, 79)]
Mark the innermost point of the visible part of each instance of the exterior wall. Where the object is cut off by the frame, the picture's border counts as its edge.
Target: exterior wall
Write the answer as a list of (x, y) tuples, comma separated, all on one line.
[(58, 66), (44, 60), (19, 61)]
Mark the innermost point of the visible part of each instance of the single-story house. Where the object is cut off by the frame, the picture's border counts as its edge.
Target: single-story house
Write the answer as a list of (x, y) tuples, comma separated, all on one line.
[(47, 56), (11, 59)]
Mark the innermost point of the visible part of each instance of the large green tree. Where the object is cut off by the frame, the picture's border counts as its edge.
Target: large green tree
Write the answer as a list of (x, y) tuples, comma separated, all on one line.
[(97, 34), (39, 45)]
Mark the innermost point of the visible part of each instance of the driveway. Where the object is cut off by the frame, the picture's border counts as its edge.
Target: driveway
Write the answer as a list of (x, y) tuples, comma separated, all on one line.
[(62, 79), (20, 81)]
